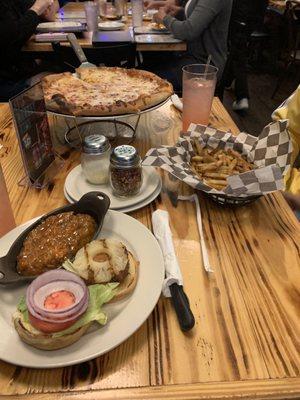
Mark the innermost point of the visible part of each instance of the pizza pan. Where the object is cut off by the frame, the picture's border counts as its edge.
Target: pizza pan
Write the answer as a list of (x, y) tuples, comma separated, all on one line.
[(95, 204)]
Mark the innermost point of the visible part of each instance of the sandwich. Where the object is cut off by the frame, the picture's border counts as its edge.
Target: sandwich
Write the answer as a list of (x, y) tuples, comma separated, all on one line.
[(106, 261), (59, 308)]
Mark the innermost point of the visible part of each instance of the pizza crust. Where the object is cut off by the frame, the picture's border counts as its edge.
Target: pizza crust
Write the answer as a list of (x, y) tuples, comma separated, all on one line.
[(78, 95)]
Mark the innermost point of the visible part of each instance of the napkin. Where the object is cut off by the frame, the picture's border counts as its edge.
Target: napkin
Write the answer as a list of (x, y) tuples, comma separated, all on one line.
[(194, 198), (176, 102), (162, 232)]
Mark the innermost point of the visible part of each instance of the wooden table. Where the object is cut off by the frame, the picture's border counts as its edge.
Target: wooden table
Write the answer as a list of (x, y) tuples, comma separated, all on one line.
[(245, 343), (86, 40)]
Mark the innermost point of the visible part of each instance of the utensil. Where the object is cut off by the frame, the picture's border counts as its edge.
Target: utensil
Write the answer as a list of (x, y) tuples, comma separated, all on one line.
[(124, 316), (79, 52), (95, 204), (173, 285)]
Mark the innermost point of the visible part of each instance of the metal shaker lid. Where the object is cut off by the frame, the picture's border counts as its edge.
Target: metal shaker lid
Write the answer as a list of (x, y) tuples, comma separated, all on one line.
[(125, 155), (95, 144)]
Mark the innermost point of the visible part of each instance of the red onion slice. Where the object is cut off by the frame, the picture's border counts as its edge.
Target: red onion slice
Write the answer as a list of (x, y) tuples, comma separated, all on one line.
[(53, 281), (43, 292)]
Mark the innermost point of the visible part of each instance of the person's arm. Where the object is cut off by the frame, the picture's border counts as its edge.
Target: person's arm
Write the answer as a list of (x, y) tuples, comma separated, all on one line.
[(19, 31), (16, 30), (50, 13), (200, 18)]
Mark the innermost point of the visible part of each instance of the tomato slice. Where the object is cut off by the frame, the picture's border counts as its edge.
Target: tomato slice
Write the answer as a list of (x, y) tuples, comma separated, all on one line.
[(50, 327)]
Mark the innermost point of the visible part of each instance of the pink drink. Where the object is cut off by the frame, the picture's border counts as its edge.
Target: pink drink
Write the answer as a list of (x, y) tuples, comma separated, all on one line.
[(7, 221), (198, 93)]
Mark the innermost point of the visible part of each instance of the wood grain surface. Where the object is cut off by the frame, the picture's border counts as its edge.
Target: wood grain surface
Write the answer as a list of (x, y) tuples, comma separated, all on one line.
[(86, 40), (245, 343)]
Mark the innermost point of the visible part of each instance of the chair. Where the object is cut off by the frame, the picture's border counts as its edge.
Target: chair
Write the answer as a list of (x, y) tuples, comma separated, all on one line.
[(291, 52)]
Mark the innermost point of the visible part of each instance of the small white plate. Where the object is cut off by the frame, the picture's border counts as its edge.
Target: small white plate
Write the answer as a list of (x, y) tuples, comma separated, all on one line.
[(76, 186), (135, 207), (111, 25), (59, 26), (124, 317)]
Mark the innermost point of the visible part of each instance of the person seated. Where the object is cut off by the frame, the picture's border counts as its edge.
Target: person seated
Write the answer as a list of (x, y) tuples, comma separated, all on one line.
[(18, 22), (247, 15), (203, 24), (290, 109)]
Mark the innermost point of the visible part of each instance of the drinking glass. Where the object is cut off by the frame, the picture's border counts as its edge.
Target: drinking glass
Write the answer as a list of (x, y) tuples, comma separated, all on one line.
[(7, 221), (102, 7), (91, 9), (137, 12), (199, 82)]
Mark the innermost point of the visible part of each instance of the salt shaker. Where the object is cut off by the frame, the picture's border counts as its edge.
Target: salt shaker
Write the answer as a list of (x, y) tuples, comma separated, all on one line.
[(95, 159)]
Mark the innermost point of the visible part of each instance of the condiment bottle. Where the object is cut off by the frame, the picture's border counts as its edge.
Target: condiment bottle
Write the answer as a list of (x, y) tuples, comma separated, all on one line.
[(125, 171), (95, 159)]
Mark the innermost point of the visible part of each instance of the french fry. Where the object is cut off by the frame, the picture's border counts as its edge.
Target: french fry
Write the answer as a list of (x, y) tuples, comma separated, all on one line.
[(220, 182), (215, 175), (213, 166), (197, 158)]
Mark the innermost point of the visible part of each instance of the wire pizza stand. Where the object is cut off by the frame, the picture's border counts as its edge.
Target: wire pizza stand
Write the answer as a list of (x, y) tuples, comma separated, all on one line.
[(114, 127)]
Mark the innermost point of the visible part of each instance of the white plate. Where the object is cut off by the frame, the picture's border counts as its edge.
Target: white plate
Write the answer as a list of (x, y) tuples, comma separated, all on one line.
[(110, 25), (76, 186), (124, 317), (59, 25), (137, 206)]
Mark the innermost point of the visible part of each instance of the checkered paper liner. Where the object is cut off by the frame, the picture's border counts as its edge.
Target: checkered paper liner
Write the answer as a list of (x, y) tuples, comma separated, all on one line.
[(270, 152)]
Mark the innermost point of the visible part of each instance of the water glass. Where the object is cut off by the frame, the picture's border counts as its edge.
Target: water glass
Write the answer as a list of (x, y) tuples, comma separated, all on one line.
[(102, 7), (137, 12), (199, 82), (91, 9), (120, 7)]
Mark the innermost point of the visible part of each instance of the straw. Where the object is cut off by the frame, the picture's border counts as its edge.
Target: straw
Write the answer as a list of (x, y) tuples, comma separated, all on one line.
[(207, 65), (205, 258)]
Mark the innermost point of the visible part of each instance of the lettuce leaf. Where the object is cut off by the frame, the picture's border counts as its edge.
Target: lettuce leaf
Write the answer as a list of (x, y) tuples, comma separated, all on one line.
[(68, 265), (99, 294)]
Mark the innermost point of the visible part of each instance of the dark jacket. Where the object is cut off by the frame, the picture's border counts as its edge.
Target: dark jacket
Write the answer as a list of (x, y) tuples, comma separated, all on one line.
[(17, 24), (249, 11)]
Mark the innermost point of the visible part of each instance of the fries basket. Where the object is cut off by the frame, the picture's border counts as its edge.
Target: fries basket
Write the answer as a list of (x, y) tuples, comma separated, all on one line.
[(270, 153), (231, 201)]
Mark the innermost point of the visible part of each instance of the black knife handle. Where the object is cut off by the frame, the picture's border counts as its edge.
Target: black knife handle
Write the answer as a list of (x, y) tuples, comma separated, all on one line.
[(182, 307)]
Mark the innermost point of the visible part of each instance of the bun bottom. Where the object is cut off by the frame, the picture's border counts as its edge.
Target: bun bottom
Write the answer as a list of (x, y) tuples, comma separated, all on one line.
[(44, 341), (129, 283)]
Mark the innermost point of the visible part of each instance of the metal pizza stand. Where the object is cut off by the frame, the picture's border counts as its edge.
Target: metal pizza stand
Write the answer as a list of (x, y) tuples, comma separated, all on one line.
[(119, 127)]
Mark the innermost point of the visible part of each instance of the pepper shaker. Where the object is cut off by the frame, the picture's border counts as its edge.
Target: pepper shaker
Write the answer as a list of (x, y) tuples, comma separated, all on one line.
[(126, 175)]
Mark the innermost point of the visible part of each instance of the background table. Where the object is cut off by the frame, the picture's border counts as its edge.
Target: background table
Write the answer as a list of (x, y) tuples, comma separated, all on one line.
[(86, 40), (245, 343)]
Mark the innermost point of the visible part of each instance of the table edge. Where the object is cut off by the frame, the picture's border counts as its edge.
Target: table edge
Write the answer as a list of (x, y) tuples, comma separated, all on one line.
[(282, 388)]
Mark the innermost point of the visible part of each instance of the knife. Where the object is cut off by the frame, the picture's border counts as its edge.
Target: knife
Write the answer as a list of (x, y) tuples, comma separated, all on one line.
[(173, 282), (181, 305)]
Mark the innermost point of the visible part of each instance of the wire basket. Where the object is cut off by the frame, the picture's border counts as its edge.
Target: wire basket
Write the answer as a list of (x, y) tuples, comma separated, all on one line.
[(230, 201)]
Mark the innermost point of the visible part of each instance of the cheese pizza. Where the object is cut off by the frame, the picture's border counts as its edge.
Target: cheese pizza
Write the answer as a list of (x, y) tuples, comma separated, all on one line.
[(104, 91)]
